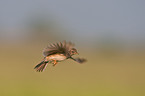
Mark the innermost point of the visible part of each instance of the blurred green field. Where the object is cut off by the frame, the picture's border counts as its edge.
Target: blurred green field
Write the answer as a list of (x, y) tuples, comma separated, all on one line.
[(122, 75)]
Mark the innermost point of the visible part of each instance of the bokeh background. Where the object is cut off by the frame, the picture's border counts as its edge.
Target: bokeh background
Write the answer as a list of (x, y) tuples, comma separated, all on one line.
[(110, 34)]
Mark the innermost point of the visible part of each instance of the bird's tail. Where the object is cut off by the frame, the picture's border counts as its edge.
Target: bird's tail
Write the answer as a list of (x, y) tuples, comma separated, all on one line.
[(41, 66)]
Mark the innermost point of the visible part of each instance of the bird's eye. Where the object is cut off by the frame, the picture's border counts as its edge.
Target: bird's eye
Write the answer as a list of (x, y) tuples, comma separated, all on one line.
[(72, 51)]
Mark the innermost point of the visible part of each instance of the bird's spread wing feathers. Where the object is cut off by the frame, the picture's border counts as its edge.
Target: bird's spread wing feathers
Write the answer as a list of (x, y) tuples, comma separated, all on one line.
[(79, 60), (61, 47)]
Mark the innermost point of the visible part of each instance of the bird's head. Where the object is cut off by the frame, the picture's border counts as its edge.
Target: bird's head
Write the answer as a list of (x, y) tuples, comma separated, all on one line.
[(73, 51)]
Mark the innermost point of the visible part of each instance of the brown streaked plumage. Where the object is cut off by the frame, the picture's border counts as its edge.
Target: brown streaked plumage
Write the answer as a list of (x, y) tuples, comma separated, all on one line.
[(57, 52)]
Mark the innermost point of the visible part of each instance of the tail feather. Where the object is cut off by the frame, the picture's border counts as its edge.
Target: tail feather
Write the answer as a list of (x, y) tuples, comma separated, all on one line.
[(41, 66)]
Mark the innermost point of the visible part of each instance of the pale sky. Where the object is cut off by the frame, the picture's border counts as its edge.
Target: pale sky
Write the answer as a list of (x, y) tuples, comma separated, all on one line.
[(86, 18)]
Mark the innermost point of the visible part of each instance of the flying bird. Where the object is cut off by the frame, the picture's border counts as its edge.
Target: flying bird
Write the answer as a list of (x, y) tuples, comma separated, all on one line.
[(58, 52)]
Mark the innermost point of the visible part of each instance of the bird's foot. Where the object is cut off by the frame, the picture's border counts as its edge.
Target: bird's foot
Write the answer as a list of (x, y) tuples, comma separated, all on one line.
[(54, 62)]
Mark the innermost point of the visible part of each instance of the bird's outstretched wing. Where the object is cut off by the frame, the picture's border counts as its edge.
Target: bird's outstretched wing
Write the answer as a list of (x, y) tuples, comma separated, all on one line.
[(61, 47), (79, 60)]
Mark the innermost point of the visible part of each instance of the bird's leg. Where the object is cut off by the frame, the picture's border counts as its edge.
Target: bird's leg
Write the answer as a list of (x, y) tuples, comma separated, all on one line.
[(54, 62)]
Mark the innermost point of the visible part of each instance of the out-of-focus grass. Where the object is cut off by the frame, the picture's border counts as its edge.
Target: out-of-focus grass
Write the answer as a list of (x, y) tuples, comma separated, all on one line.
[(103, 76)]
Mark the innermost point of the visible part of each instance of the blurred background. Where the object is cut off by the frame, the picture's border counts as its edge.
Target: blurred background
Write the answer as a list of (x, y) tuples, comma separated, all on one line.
[(110, 34)]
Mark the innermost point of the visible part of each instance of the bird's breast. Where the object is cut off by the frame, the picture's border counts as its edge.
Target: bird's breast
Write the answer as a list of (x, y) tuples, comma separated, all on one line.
[(58, 57)]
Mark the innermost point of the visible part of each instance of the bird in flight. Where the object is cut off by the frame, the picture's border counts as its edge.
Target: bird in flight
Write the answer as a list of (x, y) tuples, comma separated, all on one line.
[(58, 52)]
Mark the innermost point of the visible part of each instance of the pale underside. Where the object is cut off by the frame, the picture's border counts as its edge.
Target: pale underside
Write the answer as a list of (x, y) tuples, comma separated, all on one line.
[(58, 57)]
